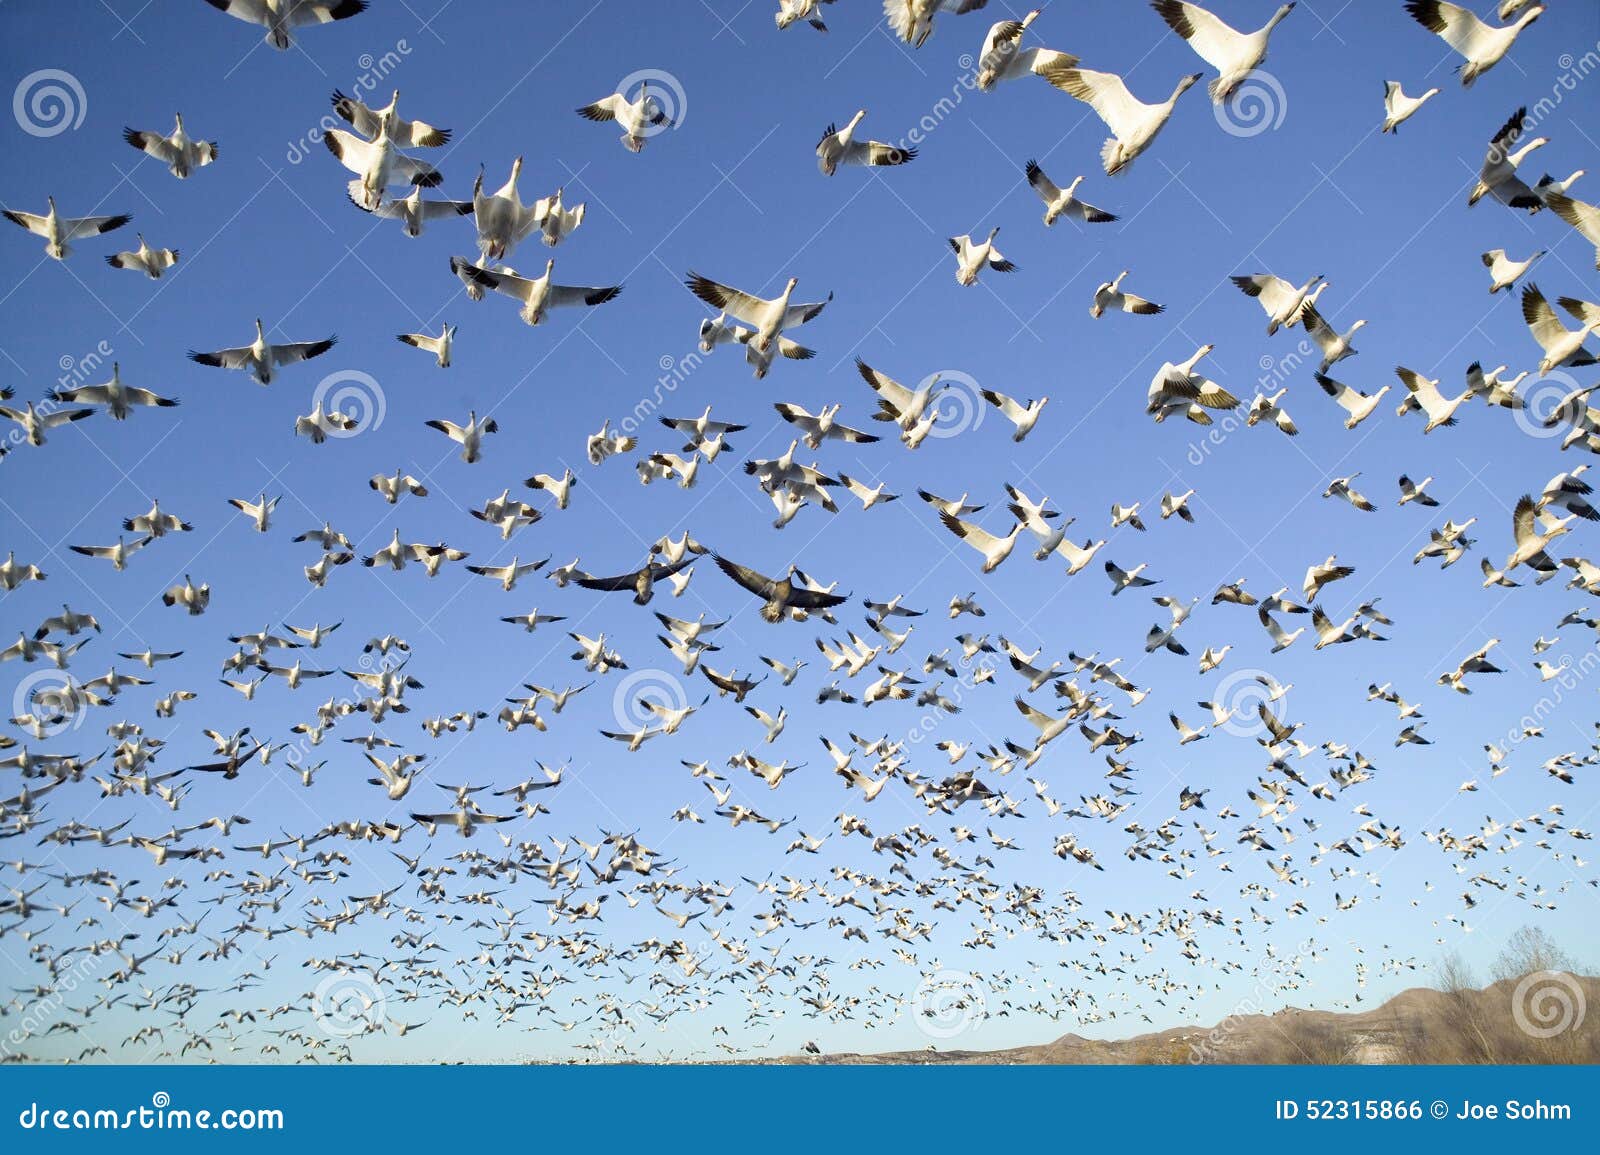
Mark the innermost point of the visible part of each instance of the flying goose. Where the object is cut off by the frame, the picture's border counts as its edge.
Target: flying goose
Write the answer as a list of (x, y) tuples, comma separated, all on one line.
[(538, 295), (1562, 346), (790, 11), (508, 574), (559, 488), (371, 122), (1398, 107), (1023, 415), (1498, 174), (179, 152), (604, 444), (1235, 55), (1124, 579), (439, 346), (869, 496), (1004, 58), (392, 488), (503, 221), (320, 422), (641, 581), (1060, 201), (1503, 271), (1177, 388), (188, 595), (1531, 541), (411, 210), (281, 17), (1281, 301), (1548, 186), (1110, 296), (912, 20), (1341, 487), (1320, 575), (259, 511), (36, 424), (994, 549), (117, 554), (905, 407), (1580, 215), (260, 357), (1267, 407), (1416, 491), (1357, 404), (114, 395), (59, 231), (1177, 503), (770, 318), (1480, 44), (1134, 125), (13, 575), (469, 436), (377, 163), (972, 257), (556, 221), (782, 596), (1335, 346), (839, 146), (151, 262), (640, 119)]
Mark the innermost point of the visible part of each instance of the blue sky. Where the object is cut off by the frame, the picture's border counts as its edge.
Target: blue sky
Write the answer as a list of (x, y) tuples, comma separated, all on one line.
[(733, 192)]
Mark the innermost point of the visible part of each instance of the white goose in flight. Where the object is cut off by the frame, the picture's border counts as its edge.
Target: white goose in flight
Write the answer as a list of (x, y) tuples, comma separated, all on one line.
[(151, 262), (1281, 301), (1234, 54), (1059, 201), (411, 210), (1562, 346), (905, 407), (179, 152), (1004, 58), (1481, 45), (556, 221), (1497, 176), (114, 395), (260, 357), (1134, 125), (538, 294), (469, 436), (912, 20), (392, 487), (1335, 345), (1503, 271), (972, 257), (502, 219), (1357, 404), (1023, 415), (259, 511), (1110, 295), (35, 424), (508, 574), (377, 163), (839, 146), (387, 121), (790, 11), (770, 317), (117, 555), (640, 119), (1398, 107), (994, 549), (59, 231), (281, 17), (439, 346), (1177, 388), (1424, 391)]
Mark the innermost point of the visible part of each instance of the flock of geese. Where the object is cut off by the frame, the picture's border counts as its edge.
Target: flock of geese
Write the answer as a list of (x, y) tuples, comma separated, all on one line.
[(443, 902)]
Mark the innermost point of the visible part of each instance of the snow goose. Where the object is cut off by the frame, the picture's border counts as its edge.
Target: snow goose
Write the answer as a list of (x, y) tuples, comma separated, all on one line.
[(1398, 107), (1562, 346), (1322, 574), (1416, 491), (557, 222), (1281, 301), (604, 444), (1124, 579), (179, 152), (59, 231), (1004, 58), (718, 330), (1531, 541), (1281, 638), (839, 146), (151, 262), (317, 574), (508, 574), (1177, 503), (502, 219), (770, 317), (538, 295), (117, 554), (897, 403), (559, 488), (387, 121), (281, 17), (974, 256), (260, 358), (13, 575), (1059, 201), (1498, 174), (780, 596), (392, 488), (35, 424), (114, 395), (1481, 45), (194, 598), (1357, 404), (1023, 415), (1077, 557), (1134, 125), (1425, 392), (1177, 388), (1581, 215), (469, 436), (1126, 515), (1503, 271), (912, 20), (156, 522), (1342, 487), (259, 511), (1268, 407), (411, 211), (869, 496), (1110, 296), (789, 11), (439, 346), (377, 163), (818, 427), (1235, 55), (1335, 345), (640, 119)]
